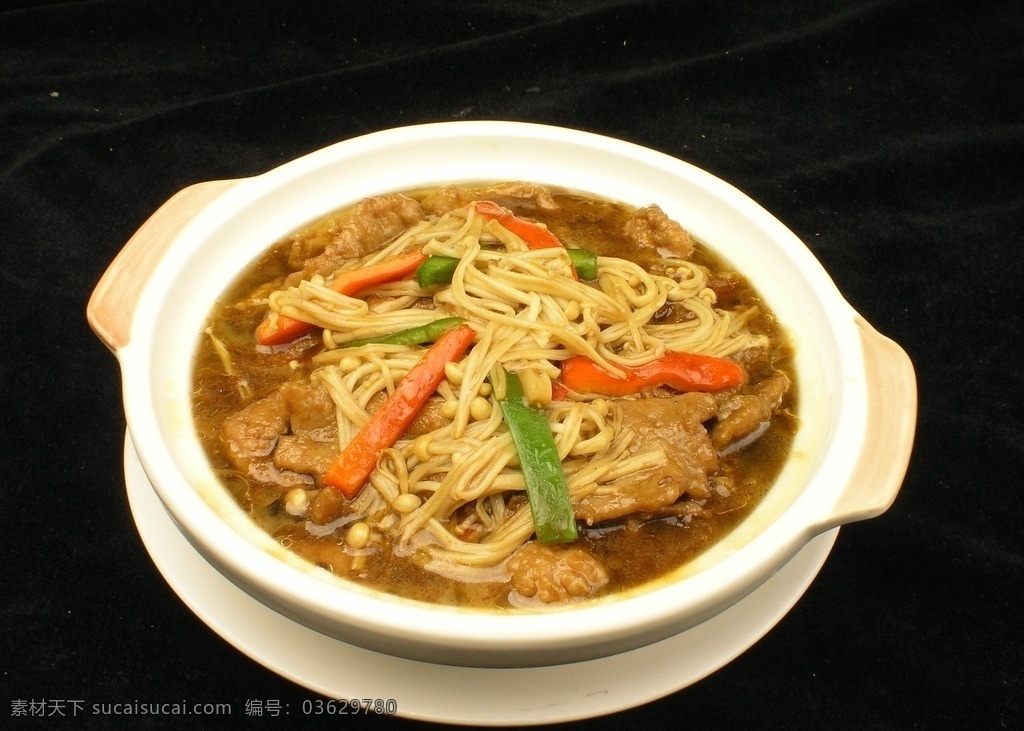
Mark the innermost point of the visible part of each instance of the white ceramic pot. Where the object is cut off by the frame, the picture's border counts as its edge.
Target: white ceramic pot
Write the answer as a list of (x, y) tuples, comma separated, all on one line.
[(857, 388)]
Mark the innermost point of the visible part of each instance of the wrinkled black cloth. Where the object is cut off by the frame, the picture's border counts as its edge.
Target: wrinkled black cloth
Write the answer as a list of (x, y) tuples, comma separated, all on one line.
[(888, 135)]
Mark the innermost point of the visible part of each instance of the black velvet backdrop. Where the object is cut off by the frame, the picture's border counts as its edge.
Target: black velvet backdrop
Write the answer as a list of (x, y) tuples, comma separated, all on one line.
[(887, 134)]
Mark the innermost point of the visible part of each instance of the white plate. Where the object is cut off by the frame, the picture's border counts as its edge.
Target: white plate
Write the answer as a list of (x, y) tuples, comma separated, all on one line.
[(426, 692)]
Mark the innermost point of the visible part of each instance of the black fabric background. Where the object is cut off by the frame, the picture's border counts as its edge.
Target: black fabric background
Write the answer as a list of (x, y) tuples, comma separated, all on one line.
[(887, 134)]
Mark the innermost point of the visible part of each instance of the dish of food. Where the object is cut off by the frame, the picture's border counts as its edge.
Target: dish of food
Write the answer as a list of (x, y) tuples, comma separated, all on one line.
[(495, 396), (844, 461)]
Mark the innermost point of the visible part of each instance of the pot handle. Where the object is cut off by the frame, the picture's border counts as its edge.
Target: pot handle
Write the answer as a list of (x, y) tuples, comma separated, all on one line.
[(113, 301), (891, 423)]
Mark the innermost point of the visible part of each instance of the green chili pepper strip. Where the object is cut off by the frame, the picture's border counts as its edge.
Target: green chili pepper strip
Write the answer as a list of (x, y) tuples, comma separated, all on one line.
[(436, 270), (414, 335), (584, 262), (546, 489)]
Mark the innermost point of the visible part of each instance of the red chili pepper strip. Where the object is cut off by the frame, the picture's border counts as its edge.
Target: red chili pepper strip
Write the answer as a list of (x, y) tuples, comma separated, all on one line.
[(283, 329), (681, 371), (349, 472), (353, 281), (559, 392), (535, 235)]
